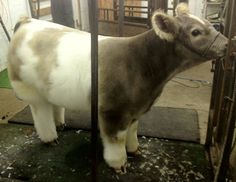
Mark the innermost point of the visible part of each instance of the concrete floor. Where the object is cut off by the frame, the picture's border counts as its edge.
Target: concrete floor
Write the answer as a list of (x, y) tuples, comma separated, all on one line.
[(178, 93), (192, 95), (9, 105)]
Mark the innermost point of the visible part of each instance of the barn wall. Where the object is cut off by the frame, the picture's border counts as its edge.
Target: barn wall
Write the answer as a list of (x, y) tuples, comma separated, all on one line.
[(196, 7), (10, 11)]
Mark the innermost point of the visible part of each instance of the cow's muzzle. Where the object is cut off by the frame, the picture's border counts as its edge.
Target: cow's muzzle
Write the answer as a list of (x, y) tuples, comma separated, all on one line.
[(217, 47)]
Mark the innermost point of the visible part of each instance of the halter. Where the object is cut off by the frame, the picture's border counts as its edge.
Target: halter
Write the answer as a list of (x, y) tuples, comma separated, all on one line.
[(207, 49)]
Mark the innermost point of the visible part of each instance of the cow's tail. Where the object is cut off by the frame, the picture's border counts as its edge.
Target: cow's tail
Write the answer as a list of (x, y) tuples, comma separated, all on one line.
[(21, 21)]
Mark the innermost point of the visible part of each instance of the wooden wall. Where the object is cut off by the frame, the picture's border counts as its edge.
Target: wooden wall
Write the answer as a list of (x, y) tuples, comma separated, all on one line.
[(109, 14)]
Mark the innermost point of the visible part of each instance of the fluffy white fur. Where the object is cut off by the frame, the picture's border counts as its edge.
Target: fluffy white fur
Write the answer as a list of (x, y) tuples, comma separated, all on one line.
[(197, 18), (70, 79), (72, 76), (182, 8), (114, 150), (163, 35)]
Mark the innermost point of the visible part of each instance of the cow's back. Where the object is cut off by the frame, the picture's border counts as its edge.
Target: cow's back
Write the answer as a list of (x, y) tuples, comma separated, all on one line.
[(50, 61)]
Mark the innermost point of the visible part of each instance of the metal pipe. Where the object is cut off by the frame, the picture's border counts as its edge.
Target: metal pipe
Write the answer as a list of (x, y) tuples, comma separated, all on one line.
[(31, 9), (221, 172), (214, 103), (229, 92), (227, 19), (229, 32), (121, 17), (149, 13), (5, 29), (93, 19), (38, 9), (80, 19), (127, 23), (115, 8), (128, 11), (226, 76)]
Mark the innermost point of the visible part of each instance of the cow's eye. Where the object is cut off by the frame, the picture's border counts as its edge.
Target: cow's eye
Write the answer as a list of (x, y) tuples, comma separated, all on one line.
[(196, 32)]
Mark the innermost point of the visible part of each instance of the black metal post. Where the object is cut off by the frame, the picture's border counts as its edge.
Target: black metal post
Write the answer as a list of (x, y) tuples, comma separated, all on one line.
[(149, 13), (93, 18), (38, 9), (31, 9), (223, 164), (5, 29), (228, 5), (121, 17)]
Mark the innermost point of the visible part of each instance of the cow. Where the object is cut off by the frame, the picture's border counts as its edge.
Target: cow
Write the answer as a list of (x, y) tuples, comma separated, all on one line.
[(50, 68)]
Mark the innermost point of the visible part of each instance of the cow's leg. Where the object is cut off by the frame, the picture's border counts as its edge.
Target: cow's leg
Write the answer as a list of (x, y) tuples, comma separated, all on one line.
[(114, 151), (132, 143), (42, 111), (59, 117), (44, 121)]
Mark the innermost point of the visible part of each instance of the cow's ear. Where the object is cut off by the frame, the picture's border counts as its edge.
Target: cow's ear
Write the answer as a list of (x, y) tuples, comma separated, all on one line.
[(165, 26), (182, 8)]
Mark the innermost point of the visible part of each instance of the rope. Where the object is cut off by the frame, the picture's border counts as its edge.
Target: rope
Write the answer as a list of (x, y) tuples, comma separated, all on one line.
[(197, 82)]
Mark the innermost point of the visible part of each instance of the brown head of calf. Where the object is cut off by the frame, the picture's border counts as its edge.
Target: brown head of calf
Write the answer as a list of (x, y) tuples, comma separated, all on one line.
[(195, 35)]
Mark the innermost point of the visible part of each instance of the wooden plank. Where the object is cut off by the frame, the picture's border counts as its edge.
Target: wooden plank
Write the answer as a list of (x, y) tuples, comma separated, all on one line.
[(45, 11)]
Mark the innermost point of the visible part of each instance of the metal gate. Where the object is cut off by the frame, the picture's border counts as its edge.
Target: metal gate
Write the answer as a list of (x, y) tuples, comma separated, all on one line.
[(222, 113), (132, 12)]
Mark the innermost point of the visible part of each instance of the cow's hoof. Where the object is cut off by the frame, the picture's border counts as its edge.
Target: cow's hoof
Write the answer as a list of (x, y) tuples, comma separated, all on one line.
[(135, 153), (121, 170), (61, 127), (52, 143), (116, 157)]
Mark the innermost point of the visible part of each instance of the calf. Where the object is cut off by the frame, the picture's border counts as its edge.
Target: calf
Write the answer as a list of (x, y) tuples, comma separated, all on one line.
[(49, 67)]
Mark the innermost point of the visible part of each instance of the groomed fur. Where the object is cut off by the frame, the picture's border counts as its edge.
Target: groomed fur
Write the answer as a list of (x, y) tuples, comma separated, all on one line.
[(156, 26), (182, 8), (21, 21)]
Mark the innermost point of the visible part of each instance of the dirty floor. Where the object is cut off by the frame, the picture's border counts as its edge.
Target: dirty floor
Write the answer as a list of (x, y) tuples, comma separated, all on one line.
[(23, 157)]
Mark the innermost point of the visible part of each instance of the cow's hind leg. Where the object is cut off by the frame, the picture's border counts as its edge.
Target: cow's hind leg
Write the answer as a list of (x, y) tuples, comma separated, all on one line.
[(44, 121), (42, 111), (132, 143), (59, 117), (114, 151)]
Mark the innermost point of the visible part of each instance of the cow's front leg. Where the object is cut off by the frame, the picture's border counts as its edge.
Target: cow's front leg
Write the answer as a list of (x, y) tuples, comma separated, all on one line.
[(132, 144), (114, 151)]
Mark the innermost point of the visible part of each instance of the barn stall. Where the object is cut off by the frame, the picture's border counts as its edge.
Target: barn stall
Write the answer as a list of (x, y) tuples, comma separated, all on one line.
[(172, 134)]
